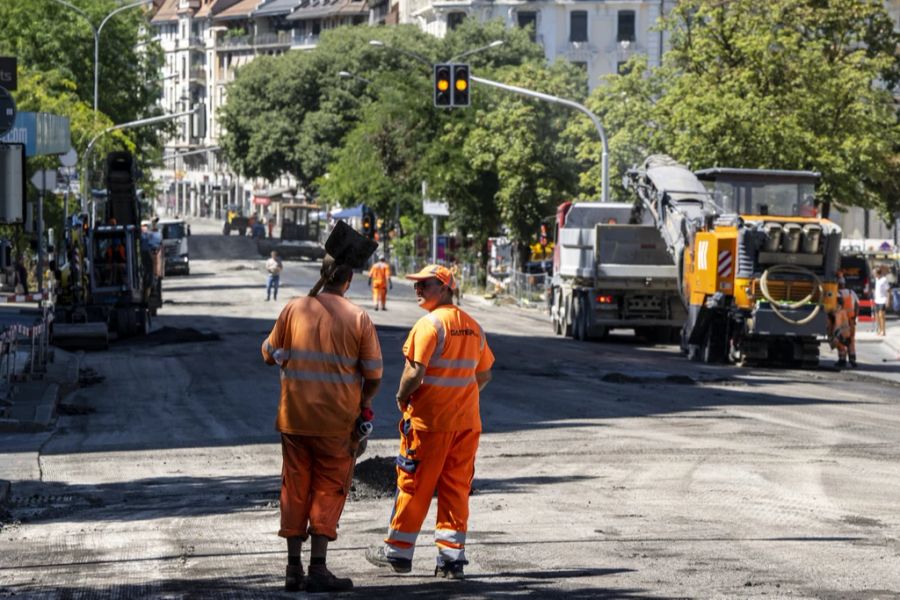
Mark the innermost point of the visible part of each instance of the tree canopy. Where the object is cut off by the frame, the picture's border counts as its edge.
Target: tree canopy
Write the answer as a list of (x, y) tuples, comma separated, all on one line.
[(781, 84)]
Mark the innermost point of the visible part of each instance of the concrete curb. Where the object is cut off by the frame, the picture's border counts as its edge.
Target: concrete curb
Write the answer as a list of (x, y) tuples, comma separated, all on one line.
[(34, 404)]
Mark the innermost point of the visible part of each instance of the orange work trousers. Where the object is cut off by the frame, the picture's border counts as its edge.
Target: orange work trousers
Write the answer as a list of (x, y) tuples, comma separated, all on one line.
[(379, 295), (316, 474), (433, 459)]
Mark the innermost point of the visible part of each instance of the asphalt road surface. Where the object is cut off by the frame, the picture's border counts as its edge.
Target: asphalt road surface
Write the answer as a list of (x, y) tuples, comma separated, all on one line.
[(606, 470)]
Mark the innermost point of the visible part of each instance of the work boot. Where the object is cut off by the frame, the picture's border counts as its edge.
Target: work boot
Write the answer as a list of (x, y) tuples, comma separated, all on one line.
[(321, 579), (853, 360), (841, 363), (376, 307), (294, 581), (451, 570), (376, 556)]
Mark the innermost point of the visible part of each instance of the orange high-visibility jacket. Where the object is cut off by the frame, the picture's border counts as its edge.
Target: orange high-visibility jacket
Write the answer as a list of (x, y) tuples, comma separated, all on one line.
[(850, 301), (327, 346), (380, 273), (452, 347)]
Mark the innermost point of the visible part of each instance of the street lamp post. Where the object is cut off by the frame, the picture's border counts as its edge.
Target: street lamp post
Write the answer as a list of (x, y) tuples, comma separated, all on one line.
[(97, 31)]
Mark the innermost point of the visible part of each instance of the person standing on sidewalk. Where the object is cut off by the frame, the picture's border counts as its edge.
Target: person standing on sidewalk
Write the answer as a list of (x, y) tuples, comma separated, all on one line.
[(380, 281), (274, 267), (330, 362), (448, 362), (880, 298)]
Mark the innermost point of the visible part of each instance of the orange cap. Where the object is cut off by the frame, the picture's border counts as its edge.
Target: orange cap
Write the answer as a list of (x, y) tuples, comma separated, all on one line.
[(438, 272)]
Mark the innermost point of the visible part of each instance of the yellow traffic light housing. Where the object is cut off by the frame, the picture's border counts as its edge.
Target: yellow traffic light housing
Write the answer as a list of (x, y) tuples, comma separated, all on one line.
[(442, 79), (461, 85)]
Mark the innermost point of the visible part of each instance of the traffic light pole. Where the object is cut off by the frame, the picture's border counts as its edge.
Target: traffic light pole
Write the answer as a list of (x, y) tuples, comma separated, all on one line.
[(604, 197)]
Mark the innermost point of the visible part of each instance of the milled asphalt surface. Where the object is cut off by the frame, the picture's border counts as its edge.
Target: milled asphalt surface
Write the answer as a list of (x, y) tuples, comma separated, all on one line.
[(606, 470)]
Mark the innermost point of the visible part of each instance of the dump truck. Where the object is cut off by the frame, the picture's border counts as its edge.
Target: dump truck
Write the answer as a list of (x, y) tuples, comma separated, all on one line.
[(755, 255), (300, 234), (175, 234), (612, 272)]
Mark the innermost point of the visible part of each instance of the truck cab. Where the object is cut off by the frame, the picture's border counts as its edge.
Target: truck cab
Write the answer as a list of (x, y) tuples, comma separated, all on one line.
[(175, 234)]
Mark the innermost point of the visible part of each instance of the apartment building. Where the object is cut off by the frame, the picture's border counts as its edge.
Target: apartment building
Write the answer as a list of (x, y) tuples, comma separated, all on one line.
[(206, 41)]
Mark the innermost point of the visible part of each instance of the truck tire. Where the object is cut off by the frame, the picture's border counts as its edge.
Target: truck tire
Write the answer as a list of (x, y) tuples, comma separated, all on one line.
[(715, 343), (567, 316), (556, 312), (580, 327)]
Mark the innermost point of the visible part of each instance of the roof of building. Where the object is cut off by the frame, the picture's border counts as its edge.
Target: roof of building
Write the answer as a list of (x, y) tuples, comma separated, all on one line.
[(276, 7), (206, 7), (168, 12), (241, 9), (316, 9)]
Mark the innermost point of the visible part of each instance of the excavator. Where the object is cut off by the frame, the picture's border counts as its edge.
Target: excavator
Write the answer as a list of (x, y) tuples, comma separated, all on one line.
[(757, 258), (112, 278)]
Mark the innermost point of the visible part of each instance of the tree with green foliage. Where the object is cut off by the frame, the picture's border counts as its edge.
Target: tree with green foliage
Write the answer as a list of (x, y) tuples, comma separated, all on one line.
[(781, 84), (55, 51)]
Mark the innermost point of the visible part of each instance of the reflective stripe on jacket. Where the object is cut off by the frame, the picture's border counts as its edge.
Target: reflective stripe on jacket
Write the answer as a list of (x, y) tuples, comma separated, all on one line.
[(325, 345), (452, 346)]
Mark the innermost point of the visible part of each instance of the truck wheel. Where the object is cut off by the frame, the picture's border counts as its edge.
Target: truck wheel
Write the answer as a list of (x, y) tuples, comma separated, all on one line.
[(715, 343), (556, 313), (580, 327)]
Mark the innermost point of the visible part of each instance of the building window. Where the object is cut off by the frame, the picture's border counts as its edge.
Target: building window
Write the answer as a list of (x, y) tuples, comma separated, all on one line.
[(527, 19), (454, 19), (626, 26), (578, 22)]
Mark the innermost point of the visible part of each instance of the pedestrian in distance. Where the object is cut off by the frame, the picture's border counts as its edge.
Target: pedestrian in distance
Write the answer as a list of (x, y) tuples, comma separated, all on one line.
[(274, 267), (380, 281), (880, 298), (447, 364), (843, 324), (330, 362), (457, 292)]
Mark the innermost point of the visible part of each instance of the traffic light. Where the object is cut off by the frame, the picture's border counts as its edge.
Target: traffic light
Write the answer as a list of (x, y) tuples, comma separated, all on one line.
[(442, 83), (198, 122), (368, 223), (461, 85)]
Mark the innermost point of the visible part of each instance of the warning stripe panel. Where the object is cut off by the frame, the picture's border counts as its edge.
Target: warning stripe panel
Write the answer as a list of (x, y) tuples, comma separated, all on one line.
[(725, 263)]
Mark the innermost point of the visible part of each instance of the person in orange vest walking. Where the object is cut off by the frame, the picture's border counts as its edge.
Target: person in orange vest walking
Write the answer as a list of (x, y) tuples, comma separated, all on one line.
[(448, 362), (330, 363), (380, 281)]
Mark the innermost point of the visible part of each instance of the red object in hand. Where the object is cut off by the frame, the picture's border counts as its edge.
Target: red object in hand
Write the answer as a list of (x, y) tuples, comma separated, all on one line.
[(367, 414)]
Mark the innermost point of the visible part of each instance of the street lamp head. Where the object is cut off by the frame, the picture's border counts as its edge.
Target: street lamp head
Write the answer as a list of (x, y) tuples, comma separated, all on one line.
[(495, 43), (345, 74), (376, 43)]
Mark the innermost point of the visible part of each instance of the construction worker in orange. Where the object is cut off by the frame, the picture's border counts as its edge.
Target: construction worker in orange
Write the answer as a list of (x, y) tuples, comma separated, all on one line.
[(448, 362), (330, 363), (380, 281), (844, 331)]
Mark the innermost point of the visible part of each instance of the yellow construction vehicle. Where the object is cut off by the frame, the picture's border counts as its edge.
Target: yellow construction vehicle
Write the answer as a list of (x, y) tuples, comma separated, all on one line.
[(756, 257)]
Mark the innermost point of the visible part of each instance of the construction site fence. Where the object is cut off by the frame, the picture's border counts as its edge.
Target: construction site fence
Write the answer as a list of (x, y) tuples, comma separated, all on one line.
[(33, 340)]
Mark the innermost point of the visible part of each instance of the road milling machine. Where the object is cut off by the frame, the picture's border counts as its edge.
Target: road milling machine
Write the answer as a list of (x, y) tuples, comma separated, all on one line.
[(112, 280), (756, 259)]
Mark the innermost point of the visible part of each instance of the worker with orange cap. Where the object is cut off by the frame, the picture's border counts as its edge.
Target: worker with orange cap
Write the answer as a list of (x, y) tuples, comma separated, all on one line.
[(447, 363)]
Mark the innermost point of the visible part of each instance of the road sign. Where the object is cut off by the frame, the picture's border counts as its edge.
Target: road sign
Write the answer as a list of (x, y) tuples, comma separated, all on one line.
[(69, 159), (8, 72), (435, 209), (7, 111), (46, 177)]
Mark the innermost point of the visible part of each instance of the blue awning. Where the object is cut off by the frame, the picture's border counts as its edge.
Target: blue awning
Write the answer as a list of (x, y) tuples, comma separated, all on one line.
[(348, 213)]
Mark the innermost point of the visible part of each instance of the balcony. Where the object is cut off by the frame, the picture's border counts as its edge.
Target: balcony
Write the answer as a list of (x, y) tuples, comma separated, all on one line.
[(235, 42), (280, 38), (305, 41), (197, 74)]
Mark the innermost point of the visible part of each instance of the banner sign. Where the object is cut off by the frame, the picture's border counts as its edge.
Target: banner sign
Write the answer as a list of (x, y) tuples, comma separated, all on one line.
[(41, 133)]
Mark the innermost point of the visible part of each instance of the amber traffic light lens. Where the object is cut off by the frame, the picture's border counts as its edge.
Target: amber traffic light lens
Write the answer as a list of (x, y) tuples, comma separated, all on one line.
[(462, 85), (443, 85)]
